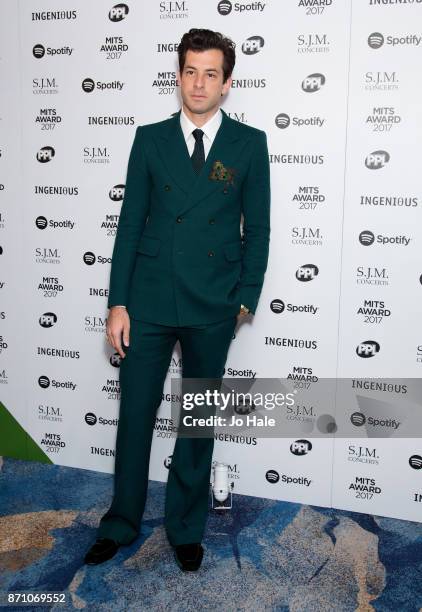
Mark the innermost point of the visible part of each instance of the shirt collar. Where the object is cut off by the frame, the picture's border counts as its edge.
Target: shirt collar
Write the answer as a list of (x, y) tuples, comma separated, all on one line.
[(210, 128)]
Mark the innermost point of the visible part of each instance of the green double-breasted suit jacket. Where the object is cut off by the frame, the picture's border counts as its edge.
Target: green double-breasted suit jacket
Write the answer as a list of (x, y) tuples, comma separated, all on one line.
[(179, 257)]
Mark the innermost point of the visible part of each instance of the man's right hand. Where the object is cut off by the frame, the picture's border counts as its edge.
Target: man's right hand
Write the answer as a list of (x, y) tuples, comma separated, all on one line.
[(118, 323)]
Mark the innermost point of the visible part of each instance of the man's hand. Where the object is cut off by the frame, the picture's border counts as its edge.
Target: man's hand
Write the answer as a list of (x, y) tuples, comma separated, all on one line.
[(242, 313), (118, 323)]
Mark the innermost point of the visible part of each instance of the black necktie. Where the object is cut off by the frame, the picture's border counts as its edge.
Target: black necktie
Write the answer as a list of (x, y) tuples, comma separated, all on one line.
[(198, 155)]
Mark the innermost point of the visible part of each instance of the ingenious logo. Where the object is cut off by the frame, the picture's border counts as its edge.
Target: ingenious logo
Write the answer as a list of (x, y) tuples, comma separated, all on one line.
[(60, 15)]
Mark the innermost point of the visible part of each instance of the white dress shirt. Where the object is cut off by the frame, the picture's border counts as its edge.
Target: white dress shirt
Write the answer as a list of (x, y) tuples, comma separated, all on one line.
[(210, 129)]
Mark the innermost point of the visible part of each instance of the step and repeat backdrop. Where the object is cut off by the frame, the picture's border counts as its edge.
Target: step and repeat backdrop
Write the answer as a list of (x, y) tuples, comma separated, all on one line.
[(335, 86)]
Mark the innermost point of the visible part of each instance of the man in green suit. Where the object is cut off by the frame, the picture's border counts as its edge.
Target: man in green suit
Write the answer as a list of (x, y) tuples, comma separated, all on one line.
[(181, 270)]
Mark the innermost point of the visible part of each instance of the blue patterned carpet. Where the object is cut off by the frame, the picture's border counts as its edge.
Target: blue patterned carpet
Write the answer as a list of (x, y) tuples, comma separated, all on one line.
[(265, 555)]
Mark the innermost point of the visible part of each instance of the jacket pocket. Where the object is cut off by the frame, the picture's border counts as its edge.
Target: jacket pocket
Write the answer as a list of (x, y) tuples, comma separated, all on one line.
[(233, 251), (149, 246)]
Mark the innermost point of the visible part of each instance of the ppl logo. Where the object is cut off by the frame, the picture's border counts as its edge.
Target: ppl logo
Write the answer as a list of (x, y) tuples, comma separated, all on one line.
[(48, 319), (300, 447), (116, 193), (307, 272), (375, 40), (115, 360), (253, 45), (45, 155), (313, 82), (368, 348), (224, 7), (118, 12), (377, 160)]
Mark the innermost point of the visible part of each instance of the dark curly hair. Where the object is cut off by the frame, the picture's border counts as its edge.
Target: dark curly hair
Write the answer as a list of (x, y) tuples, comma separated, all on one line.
[(202, 40)]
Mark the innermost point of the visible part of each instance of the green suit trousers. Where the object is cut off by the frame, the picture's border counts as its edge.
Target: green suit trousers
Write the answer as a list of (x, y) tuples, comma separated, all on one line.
[(142, 375)]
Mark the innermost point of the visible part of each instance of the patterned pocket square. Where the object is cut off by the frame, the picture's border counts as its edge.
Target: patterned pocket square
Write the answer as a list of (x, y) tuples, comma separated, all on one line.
[(220, 173)]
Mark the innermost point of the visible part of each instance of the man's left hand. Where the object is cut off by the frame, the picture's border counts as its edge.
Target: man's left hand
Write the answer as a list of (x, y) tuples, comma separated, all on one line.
[(242, 313)]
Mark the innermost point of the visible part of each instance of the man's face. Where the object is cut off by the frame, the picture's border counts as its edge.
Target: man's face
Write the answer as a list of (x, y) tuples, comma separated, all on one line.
[(201, 81)]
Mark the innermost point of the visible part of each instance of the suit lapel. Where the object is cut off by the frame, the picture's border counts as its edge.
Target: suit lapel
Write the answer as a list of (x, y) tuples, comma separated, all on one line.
[(226, 147), (175, 155)]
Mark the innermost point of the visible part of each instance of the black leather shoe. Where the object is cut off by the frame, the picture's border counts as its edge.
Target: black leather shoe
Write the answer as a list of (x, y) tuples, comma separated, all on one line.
[(102, 550), (188, 556)]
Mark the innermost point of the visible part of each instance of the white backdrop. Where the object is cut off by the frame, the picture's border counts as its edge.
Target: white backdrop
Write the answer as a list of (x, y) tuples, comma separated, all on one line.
[(335, 88)]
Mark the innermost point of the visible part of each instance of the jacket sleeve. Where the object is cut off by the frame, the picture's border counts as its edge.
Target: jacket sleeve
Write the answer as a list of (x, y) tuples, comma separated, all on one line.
[(133, 215), (256, 223)]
